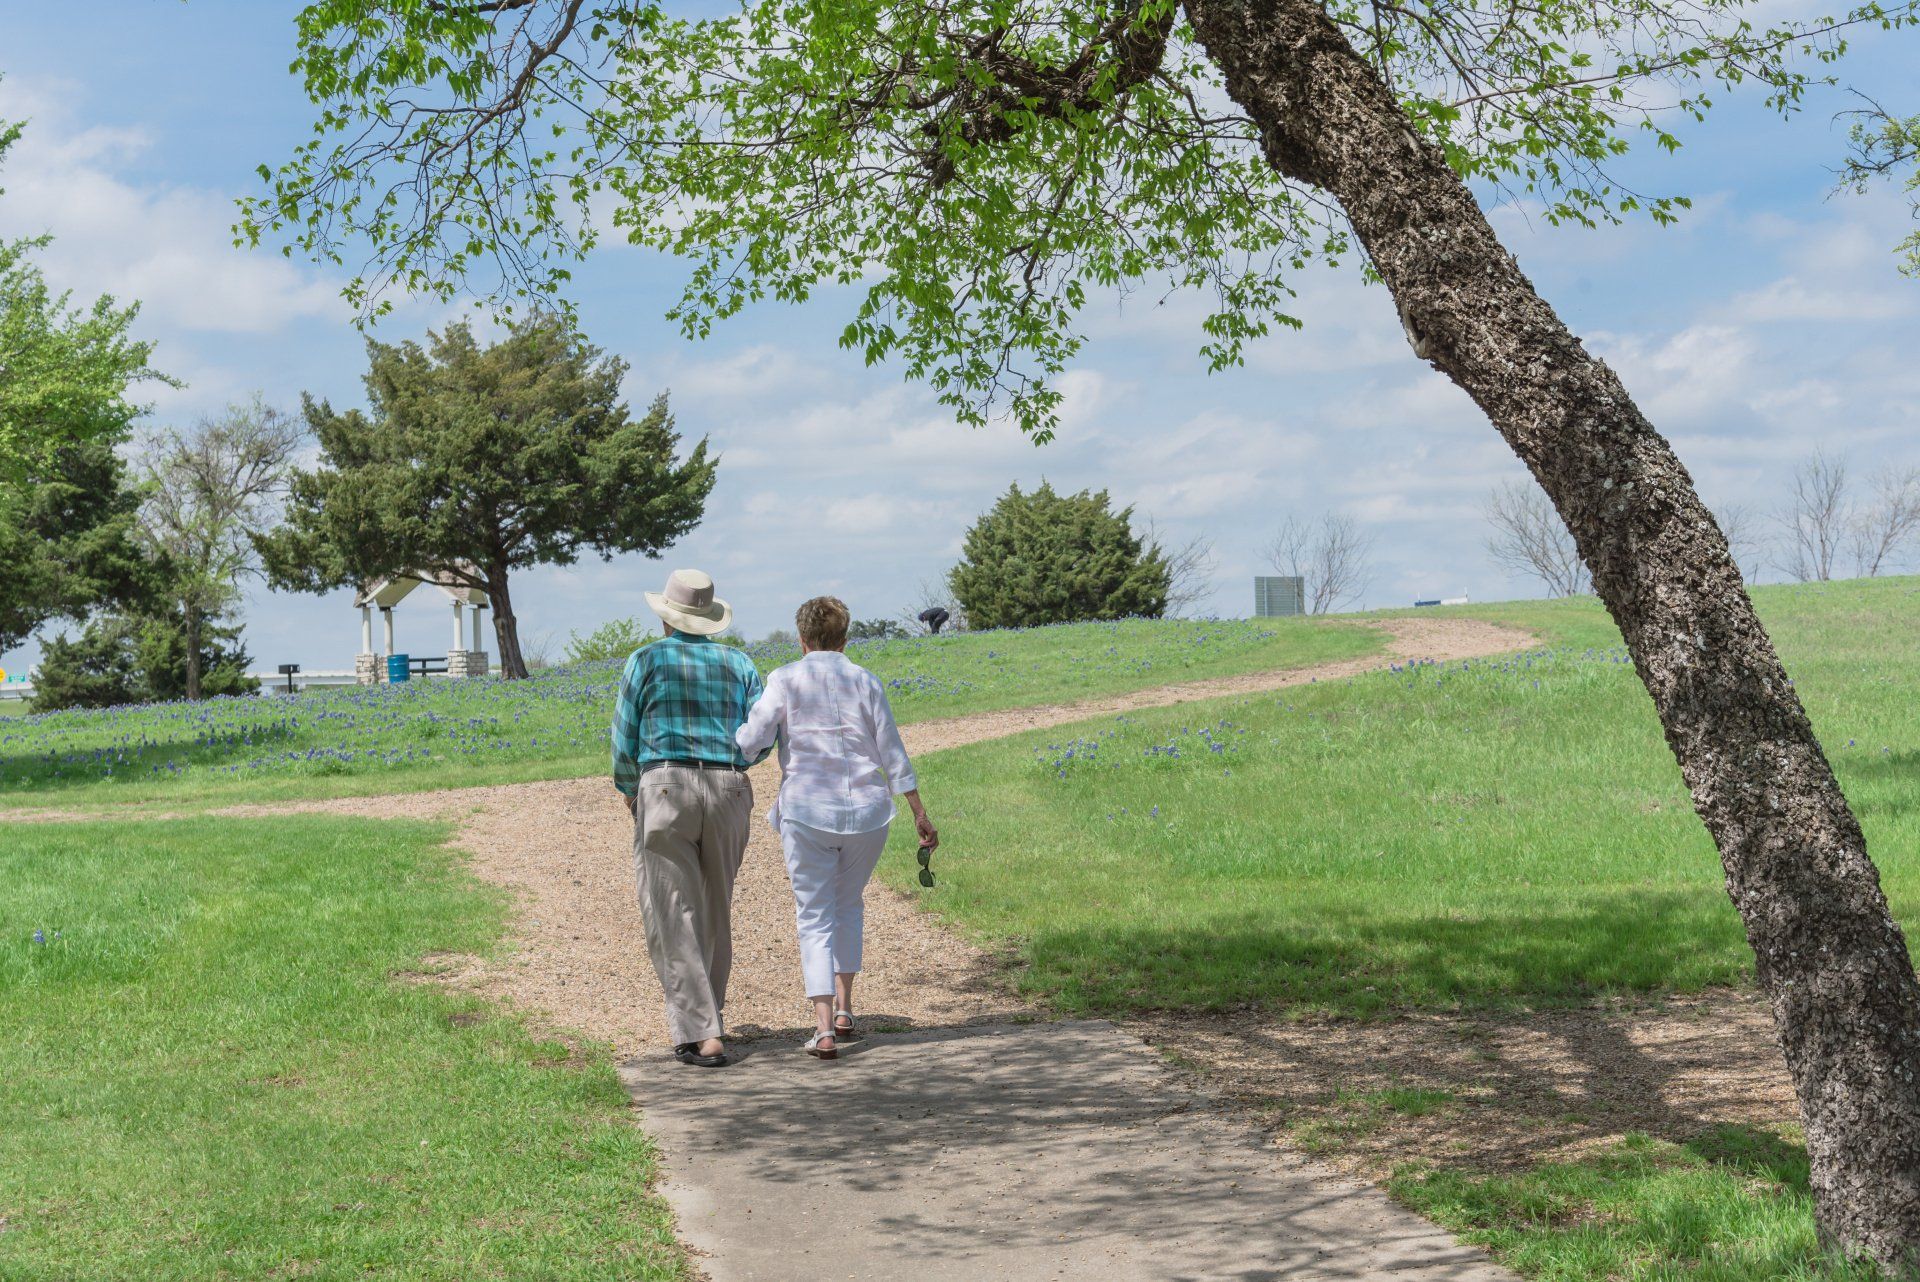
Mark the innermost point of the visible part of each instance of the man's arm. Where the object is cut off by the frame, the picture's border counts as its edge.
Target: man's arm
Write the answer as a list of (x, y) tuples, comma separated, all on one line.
[(765, 716), (756, 748), (626, 731)]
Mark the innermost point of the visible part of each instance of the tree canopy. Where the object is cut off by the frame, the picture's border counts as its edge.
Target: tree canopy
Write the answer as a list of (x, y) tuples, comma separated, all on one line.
[(977, 169), (1886, 146), (125, 658), (208, 489), (1043, 557), (66, 540), (476, 460), (65, 371)]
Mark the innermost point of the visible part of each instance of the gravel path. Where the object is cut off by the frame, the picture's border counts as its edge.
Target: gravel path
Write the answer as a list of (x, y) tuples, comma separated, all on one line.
[(564, 849)]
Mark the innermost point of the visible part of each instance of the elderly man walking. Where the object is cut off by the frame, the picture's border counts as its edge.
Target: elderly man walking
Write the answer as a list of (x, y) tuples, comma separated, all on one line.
[(681, 700)]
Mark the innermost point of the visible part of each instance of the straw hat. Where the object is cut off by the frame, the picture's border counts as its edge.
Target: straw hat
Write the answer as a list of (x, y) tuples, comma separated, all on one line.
[(689, 605)]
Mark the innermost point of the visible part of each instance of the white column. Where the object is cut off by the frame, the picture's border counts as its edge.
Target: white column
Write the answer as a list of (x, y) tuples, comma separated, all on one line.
[(386, 615), (459, 618), (366, 629), (476, 627)]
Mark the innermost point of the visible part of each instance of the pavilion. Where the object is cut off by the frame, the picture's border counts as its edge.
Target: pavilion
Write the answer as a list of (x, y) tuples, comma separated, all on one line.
[(370, 668)]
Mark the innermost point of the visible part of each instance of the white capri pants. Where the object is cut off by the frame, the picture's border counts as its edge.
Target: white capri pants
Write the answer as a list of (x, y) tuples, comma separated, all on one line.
[(829, 872)]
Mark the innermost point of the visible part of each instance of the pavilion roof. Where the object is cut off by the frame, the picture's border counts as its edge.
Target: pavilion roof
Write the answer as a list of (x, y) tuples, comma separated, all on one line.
[(390, 591)]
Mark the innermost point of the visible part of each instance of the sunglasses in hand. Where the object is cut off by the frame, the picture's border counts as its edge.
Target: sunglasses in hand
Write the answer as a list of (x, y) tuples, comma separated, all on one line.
[(926, 872)]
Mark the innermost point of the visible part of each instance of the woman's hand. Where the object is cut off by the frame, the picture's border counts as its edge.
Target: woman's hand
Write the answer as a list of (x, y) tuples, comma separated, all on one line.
[(929, 835)]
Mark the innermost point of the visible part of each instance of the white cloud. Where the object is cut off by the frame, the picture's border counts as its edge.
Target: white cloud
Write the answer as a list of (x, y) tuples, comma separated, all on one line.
[(167, 247), (1792, 298)]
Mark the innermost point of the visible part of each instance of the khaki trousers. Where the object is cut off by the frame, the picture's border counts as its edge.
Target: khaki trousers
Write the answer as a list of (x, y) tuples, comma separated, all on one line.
[(689, 833)]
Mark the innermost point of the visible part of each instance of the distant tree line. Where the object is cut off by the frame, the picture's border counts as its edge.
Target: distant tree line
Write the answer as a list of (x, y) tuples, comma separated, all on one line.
[(1826, 524)]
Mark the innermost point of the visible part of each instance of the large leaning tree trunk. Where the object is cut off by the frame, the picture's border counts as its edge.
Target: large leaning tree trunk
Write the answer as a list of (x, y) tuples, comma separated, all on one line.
[(506, 626), (1829, 955)]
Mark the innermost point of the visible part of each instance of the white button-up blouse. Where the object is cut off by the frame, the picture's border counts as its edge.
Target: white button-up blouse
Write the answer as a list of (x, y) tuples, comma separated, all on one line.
[(840, 751)]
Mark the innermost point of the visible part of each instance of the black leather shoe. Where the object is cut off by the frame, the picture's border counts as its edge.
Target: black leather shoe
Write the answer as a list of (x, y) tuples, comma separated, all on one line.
[(689, 1053)]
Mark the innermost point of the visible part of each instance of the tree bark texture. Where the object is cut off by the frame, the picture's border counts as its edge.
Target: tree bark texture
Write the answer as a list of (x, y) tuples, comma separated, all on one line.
[(193, 653), (1829, 956), (506, 628)]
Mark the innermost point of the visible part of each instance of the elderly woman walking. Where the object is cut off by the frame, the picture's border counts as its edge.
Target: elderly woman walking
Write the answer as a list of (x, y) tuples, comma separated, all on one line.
[(842, 763)]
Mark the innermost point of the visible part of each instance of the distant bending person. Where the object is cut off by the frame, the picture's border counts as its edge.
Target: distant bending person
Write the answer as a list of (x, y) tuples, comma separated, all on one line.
[(935, 618), (681, 701), (843, 763)]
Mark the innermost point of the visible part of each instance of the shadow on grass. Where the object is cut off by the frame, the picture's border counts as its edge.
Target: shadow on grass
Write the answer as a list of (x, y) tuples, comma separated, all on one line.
[(1730, 1206), (1754, 1151), (1343, 960)]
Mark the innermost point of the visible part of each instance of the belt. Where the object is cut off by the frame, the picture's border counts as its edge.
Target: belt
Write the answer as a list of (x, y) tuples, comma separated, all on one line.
[(694, 765)]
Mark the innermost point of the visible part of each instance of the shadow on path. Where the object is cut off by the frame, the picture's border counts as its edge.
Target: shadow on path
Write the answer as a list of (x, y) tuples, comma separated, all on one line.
[(1057, 1150)]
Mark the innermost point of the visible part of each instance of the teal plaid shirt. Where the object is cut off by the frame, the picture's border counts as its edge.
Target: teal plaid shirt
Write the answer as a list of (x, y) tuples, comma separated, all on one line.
[(681, 699)]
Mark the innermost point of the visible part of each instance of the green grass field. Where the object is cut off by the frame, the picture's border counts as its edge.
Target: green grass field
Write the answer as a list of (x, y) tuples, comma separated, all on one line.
[(457, 733), (218, 1074), (208, 1070), (1498, 834), (1729, 1205)]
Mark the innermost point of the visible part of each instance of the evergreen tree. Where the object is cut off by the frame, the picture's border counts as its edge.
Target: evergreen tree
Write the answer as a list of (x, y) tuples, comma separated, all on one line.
[(66, 541), (161, 657), (478, 461), (97, 669), (128, 658), (1050, 558)]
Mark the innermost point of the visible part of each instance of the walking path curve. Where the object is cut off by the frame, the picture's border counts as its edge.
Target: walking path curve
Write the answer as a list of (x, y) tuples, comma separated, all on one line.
[(564, 848), (971, 1143)]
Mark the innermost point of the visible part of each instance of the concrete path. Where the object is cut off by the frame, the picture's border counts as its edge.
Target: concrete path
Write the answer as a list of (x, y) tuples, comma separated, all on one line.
[(1015, 1152)]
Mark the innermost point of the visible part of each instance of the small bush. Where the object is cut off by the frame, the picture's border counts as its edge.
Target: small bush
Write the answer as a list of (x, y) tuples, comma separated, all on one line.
[(876, 630), (614, 639)]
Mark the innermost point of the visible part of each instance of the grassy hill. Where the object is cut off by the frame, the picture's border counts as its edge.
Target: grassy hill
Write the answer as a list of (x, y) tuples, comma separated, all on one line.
[(1492, 836), (1500, 831), (433, 734)]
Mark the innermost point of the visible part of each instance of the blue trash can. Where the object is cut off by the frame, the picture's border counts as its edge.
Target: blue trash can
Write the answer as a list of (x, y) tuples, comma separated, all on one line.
[(397, 667)]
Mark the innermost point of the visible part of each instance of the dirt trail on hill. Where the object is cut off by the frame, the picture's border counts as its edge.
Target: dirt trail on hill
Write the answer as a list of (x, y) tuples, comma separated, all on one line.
[(564, 849)]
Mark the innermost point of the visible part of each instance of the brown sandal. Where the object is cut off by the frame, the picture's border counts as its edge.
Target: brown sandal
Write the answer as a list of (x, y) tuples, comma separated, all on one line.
[(844, 1032), (815, 1049)]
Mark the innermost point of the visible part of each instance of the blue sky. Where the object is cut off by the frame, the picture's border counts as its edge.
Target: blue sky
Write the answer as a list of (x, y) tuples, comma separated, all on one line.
[(1769, 323)]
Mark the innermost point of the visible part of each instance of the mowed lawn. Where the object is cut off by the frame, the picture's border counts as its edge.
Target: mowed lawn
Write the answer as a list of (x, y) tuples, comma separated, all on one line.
[(1498, 834), (215, 1066), (1494, 832), (440, 734)]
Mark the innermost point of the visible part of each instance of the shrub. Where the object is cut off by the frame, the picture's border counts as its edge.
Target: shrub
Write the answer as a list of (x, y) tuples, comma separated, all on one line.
[(1043, 558), (120, 659), (614, 639), (876, 630)]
